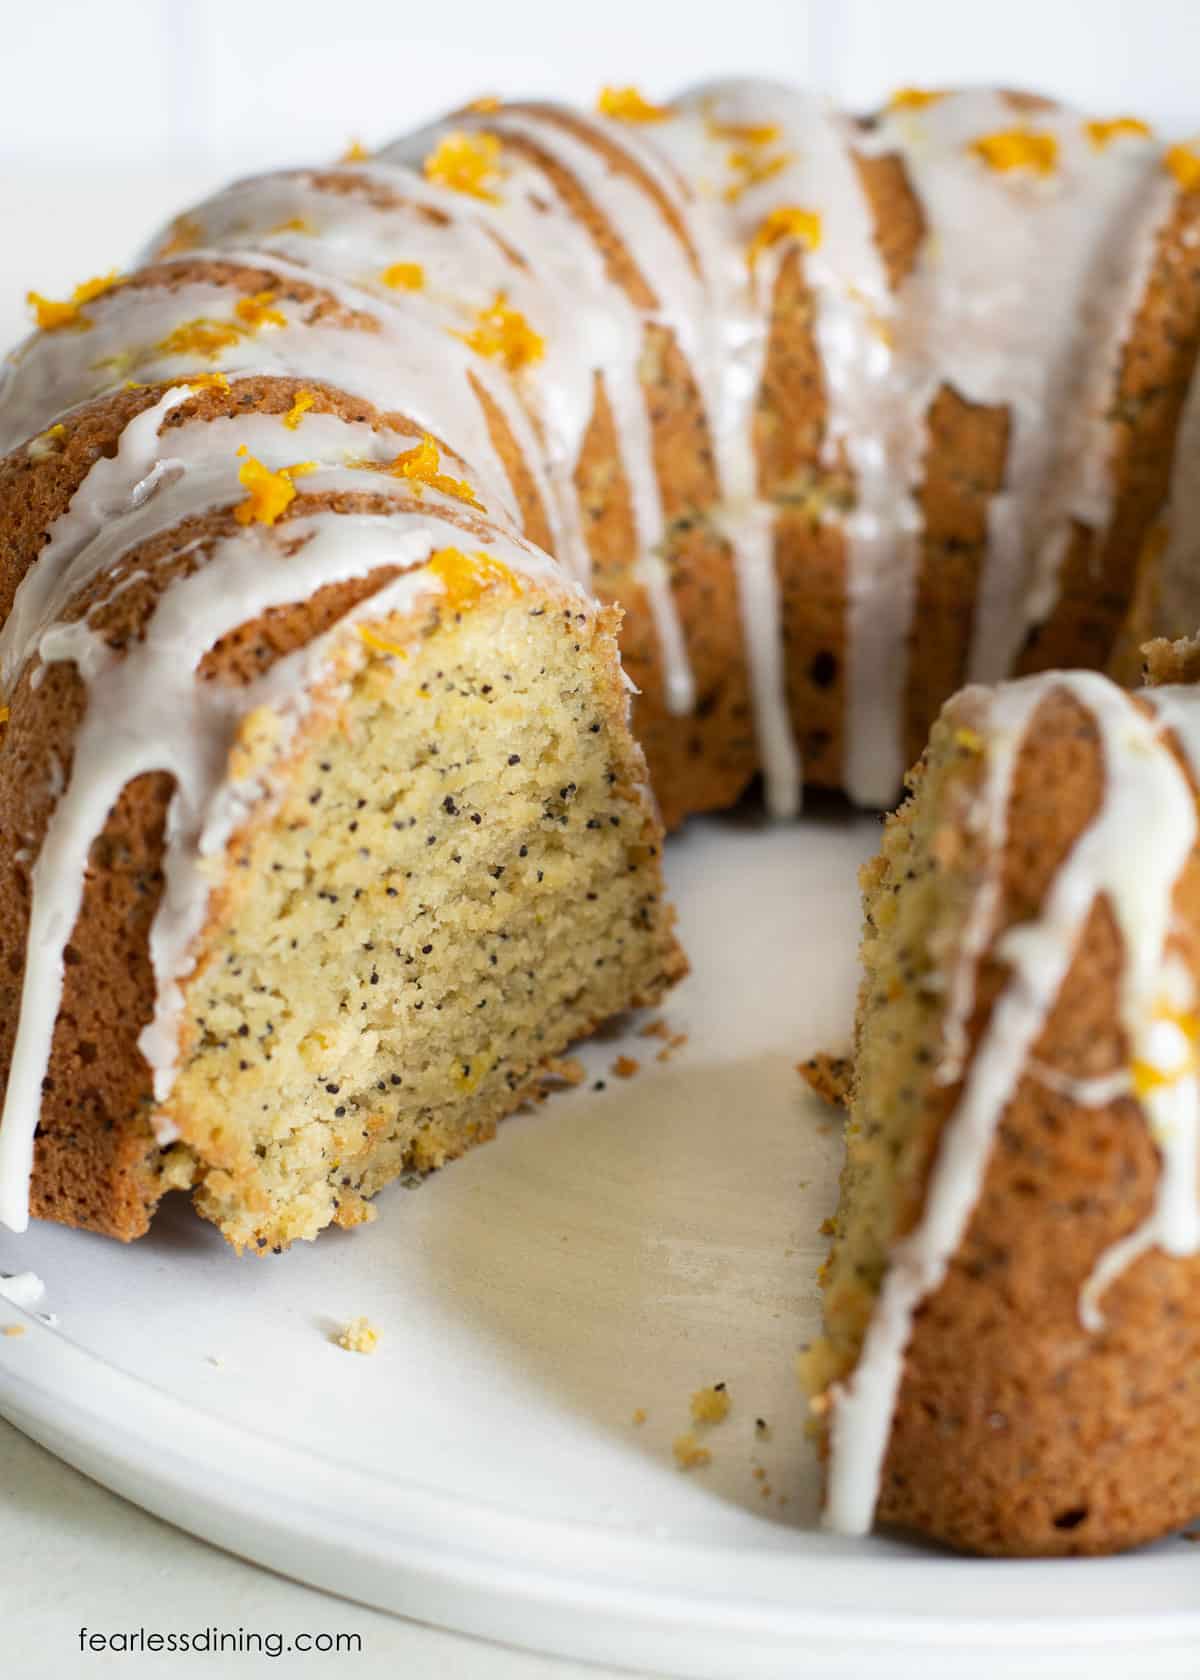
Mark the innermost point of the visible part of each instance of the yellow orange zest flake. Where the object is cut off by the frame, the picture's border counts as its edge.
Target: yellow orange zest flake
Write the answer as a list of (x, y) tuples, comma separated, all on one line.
[(304, 401), (422, 466), (743, 134), (750, 168), (47, 443), (270, 492), (466, 163), (914, 98), (201, 382), (294, 224), (969, 739), (506, 335), (380, 644), (789, 221), (5, 714), (486, 102), (200, 337), (355, 152), (1018, 148), (1184, 163), (52, 316), (1151, 1076), (404, 277), (256, 311), (1102, 134), (465, 577), (626, 104)]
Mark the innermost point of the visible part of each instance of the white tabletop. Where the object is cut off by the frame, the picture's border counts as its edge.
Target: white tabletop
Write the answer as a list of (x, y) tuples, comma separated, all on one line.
[(78, 1557)]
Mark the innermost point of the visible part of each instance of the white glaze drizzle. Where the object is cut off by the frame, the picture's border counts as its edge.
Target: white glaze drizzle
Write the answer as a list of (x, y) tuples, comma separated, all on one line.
[(1132, 853)]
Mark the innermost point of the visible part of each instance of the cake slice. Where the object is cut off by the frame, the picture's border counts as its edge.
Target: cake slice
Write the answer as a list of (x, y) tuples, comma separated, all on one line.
[(324, 830), (1011, 1358)]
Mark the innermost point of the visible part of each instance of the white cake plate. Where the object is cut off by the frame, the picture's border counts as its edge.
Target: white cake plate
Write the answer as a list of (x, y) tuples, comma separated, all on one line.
[(612, 1252)]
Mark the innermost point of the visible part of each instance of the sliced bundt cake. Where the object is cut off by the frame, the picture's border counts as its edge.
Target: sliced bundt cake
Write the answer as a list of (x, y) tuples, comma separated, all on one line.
[(1012, 1299), (325, 832)]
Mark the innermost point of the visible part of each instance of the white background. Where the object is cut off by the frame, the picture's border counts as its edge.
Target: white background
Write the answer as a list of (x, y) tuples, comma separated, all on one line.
[(115, 112)]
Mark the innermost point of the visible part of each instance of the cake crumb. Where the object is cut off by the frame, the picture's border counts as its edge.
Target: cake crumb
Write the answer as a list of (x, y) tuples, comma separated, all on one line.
[(828, 1077), (689, 1454), (359, 1336), (674, 1044), (626, 1066), (710, 1405), (655, 1029), (761, 1427), (639, 1415), (565, 1070), (14, 1329)]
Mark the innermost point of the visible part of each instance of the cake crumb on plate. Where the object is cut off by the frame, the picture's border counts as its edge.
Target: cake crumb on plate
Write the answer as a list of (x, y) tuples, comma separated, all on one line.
[(710, 1405), (689, 1454), (359, 1336)]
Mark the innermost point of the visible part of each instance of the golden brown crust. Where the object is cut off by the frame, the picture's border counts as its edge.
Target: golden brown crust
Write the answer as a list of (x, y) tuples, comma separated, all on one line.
[(1100, 570), (964, 468), (1049, 1439)]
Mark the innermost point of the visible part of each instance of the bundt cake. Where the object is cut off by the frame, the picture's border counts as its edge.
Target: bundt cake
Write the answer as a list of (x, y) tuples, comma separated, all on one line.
[(1012, 1298), (324, 831)]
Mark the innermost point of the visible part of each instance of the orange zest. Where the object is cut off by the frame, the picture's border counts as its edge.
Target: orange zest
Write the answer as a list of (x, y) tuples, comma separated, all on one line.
[(53, 316), (200, 337), (256, 311), (789, 221), (626, 104), (466, 163), (404, 276), (1102, 134), (1018, 148), (380, 644), (465, 577), (1183, 162), (421, 467), (304, 401), (505, 335), (914, 98), (750, 168), (270, 492)]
